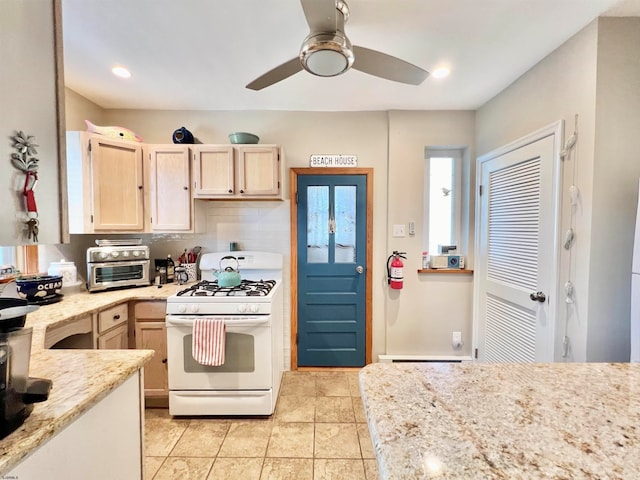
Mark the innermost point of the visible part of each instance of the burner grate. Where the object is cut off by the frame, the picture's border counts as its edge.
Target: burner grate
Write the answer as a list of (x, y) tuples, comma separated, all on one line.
[(247, 288)]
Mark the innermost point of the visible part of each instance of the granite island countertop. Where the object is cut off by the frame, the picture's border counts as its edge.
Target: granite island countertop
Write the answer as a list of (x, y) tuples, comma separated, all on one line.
[(504, 421), (81, 378)]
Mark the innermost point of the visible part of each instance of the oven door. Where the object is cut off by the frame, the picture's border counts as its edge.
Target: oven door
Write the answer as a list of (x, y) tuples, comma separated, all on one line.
[(117, 274), (248, 356)]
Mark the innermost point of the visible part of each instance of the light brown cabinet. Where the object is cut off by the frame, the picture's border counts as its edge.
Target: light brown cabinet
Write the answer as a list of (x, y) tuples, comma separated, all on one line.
[(120, 186), (105, 184), (213, 171), (151, 334), (170, 193), (258, 171), (237, 172), (112, 328), (115, 339)]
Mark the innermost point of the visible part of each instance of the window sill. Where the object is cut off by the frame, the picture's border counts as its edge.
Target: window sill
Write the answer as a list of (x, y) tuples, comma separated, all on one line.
[(446, 270)]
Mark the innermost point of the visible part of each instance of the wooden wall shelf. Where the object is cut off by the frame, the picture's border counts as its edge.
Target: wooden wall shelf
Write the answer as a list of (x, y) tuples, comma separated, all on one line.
[(446, 270)]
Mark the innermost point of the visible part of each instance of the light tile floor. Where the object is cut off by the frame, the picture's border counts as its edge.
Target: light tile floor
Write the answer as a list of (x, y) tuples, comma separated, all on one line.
[(318, 432)]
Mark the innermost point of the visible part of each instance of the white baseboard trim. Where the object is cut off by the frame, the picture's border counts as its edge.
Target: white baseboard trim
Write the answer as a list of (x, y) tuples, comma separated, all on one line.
[(424, 358)]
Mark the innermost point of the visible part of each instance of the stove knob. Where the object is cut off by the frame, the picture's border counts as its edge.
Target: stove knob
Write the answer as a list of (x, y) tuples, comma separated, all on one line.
[(125, 254), (254, 308), (194, 308), (182, 308), (104, 254), (115, 254), (242, 308), (136, 253)]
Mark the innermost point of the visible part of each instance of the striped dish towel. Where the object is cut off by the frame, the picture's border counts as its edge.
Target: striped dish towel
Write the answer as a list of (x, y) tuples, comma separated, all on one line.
[(208, 341)]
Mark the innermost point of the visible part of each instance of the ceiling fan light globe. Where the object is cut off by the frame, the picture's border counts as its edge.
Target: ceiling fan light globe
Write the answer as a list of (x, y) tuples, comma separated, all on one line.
[(326, 63), (326, 55)]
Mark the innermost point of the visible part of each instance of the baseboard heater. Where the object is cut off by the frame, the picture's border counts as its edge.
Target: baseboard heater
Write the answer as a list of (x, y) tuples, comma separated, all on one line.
[(424, 358)]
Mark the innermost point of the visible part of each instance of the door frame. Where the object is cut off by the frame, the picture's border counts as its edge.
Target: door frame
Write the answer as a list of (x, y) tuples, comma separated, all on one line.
[(293, 187), (555, 129)]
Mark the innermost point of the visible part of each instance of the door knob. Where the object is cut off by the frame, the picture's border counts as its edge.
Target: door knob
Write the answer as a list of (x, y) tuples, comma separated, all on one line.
[(538, 297), (359, 269)]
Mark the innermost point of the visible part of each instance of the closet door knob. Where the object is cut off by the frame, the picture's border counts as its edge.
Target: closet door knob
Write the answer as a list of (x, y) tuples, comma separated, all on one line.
[(538, 297)]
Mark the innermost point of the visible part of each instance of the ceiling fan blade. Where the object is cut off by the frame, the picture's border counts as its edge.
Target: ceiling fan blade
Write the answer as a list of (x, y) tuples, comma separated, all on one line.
[(321, 15), (385, 66), (276, 74)]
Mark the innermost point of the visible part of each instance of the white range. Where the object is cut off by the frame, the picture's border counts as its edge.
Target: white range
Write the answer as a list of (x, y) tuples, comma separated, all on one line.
[(249, 380)]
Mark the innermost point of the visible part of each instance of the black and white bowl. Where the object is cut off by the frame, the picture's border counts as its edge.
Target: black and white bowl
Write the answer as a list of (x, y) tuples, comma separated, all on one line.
[(39, 288)]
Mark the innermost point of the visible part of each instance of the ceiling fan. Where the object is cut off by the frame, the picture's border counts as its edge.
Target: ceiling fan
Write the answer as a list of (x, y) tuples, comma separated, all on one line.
[(327, 52)]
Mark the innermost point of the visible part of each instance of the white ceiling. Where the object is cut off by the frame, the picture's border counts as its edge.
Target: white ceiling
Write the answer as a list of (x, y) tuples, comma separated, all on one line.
[(200, 54)]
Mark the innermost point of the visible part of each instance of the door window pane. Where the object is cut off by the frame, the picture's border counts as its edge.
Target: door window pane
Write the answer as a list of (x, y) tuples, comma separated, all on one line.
[(345, 216), (318, 224)]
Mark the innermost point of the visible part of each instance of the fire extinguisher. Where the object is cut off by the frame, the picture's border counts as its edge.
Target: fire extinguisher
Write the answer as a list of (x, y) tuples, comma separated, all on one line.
[(395, 269)]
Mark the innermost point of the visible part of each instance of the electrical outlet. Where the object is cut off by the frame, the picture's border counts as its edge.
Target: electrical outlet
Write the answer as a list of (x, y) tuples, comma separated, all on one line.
[(456, 339), (398, 230)]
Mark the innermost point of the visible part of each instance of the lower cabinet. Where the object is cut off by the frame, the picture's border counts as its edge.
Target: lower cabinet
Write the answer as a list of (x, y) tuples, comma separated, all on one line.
[(151, 334), (112, 328), (115, 339)]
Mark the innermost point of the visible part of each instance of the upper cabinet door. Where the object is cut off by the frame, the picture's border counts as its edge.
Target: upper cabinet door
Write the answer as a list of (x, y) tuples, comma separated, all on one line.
[(213, 171), (259, 171), (170, 188), (116, 176)]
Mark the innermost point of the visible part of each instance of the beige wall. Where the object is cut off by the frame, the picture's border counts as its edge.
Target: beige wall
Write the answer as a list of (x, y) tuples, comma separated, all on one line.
[(420, 318), (615, 187), (595, 75), (301, 134), (28, 103), (79, 109), (560, 86)]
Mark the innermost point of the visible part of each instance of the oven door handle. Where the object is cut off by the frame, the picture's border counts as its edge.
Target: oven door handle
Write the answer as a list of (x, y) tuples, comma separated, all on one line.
[(172, 320)]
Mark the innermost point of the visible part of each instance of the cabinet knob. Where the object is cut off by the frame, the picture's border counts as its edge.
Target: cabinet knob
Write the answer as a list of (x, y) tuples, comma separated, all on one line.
[(116, 317), (186, 188), (230, 191), (164, 360), (139, 187), (241, 191)]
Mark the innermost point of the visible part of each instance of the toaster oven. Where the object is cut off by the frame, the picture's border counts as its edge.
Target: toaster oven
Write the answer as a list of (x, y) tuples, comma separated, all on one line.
[(111, 266)]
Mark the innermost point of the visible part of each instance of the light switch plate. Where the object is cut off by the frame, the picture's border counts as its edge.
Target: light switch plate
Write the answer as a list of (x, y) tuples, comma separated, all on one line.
[(412, 228), (398, 230)]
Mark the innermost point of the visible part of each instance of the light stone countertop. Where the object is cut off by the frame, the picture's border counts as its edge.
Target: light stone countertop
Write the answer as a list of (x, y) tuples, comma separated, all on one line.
[(81, 378), (504, 421), (77, 305)]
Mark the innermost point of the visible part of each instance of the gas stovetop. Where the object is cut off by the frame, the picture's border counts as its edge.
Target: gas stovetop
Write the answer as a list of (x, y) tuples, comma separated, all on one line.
[(208, 298), (247, 288)]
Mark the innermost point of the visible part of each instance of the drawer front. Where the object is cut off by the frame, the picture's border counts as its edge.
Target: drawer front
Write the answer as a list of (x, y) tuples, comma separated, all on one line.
[(150, 311), (113, 316)]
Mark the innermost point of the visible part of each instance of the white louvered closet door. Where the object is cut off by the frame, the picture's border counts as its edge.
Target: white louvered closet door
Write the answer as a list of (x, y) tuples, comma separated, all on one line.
[(516, 255)]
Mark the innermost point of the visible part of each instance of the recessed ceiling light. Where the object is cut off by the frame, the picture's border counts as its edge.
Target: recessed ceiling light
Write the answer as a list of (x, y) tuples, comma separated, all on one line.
[(440, 72), (120, 71)]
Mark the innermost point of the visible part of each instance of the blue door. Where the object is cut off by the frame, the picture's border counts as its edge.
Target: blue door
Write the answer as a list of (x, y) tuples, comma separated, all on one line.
[(332, 229)]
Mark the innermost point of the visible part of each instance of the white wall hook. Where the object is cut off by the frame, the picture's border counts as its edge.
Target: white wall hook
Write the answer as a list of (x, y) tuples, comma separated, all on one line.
[(568, 239), (574, 194)]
